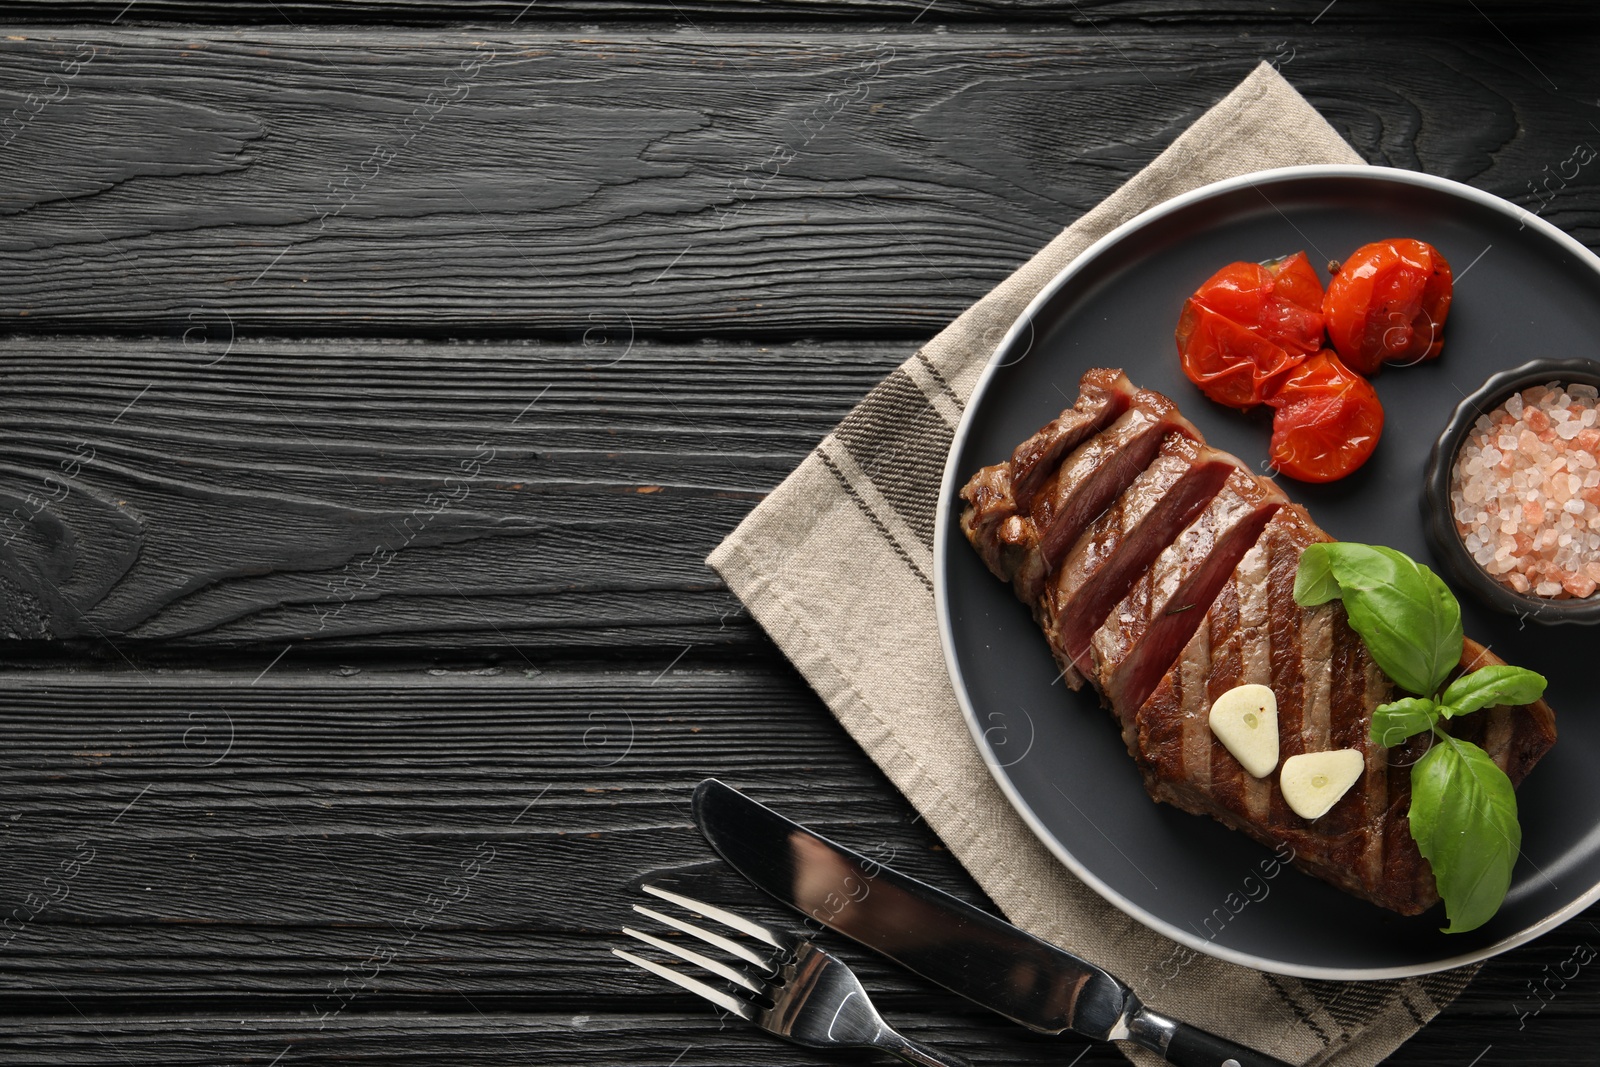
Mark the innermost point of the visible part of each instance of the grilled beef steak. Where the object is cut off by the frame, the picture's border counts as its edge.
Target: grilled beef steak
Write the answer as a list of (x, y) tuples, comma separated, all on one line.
[(1163, 572)]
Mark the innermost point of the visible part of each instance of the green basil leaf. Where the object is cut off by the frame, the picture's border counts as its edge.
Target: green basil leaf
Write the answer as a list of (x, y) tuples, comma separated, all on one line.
[(1408, 618), (1492, 686), (1314, 582), (1393, 723), (1464, 820)]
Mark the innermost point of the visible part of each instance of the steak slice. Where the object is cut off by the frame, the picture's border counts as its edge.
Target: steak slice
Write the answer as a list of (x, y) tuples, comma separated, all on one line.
[(1102, 396), (1144, 633), (1091, 477), (1121, 544), (997, 519), (1327, 685)]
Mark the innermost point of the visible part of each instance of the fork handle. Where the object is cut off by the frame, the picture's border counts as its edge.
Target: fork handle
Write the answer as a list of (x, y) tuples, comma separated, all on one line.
[(914, 1052)]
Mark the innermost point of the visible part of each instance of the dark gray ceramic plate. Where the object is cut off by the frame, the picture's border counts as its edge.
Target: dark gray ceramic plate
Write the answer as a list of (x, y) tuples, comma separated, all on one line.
[(1523, 289)]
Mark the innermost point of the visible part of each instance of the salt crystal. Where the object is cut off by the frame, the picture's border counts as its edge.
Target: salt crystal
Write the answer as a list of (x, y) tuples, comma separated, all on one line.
[(1583, 390), (1526, 491)]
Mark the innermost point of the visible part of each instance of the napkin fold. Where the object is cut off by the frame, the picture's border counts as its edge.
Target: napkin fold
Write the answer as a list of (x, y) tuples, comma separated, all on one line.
[(837, 564)]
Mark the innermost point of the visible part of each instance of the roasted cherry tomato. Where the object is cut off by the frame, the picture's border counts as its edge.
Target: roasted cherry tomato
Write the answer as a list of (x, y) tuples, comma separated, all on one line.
[(1327, 420), (1247, 326), (1387, 304)]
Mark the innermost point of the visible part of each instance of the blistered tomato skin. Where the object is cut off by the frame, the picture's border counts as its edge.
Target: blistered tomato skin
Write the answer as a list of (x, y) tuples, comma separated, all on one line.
[(1327, 420), (1248, 326), (1388, 303)]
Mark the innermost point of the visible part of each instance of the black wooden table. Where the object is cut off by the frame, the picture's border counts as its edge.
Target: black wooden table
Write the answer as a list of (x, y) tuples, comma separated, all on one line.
[(377, 377)]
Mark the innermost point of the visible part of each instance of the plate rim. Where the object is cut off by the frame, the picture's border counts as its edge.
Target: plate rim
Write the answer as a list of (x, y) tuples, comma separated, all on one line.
[(942, 517)]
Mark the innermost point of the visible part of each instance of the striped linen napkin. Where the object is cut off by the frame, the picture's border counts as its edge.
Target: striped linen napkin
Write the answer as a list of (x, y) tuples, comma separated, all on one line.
[(837, 563)]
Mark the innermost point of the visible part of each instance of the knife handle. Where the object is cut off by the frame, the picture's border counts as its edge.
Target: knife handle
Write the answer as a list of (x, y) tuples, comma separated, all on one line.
[(1190, 1046)]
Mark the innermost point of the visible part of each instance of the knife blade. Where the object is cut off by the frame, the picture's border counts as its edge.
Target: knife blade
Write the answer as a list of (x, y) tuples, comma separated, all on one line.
[(942, 938)]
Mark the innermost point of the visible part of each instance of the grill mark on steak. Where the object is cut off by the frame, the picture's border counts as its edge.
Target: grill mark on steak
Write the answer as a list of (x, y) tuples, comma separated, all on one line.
[(1375, 690), (999, 498), (1254, 638), (1194, 663), (1144, 633), (1316, 666), (1127, 537), (1096, 473)]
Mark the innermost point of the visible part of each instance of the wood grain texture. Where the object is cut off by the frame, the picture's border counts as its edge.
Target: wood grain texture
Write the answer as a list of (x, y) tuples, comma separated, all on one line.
[(535, 499), (1436, 15), (248, 844), (212, 836), (257, 837), (677, 184), (649, 1037)]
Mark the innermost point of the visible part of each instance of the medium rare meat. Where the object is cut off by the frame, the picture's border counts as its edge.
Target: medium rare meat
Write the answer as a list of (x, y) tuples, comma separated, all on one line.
[(1096, 473), (1164, 571), (998, 519), (1102, 396), (1023, 545), (1143, 634), (1125, 540), (1327, 686)]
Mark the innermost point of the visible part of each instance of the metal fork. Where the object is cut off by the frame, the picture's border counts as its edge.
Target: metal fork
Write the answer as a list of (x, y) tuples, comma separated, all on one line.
[(789, 987)]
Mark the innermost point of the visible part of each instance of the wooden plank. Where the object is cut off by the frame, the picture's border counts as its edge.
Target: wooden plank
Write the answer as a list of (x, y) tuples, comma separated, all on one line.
[(1437, 15), (297, 828), (209, 834), (691, 1037), (676, 184), (678, 1037), (547, 498)]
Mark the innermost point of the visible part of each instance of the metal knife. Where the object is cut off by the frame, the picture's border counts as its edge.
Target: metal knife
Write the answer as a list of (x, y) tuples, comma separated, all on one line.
[(945, 940)]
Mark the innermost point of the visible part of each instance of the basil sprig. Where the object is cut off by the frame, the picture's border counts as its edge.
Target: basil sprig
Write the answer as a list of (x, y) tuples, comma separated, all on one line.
[(1463, 813)]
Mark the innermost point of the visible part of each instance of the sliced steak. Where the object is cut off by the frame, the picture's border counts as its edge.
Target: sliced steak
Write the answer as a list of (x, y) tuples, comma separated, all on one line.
[(1164, 571), (1144, 633), (1092, 476), (1327, 685), (1103, 395), (999, 498), (1121, 544)]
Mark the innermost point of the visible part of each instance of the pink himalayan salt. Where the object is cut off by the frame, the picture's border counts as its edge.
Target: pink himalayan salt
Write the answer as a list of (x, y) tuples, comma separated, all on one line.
[(1525, 491)]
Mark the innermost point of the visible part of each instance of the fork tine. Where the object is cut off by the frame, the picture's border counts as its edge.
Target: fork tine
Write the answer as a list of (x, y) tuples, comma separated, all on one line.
[(689, 955), (693, 985), (726, 918), (732, 948)]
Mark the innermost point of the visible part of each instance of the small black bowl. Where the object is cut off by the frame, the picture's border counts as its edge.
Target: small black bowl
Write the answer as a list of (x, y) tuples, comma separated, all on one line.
[(1440, 524)]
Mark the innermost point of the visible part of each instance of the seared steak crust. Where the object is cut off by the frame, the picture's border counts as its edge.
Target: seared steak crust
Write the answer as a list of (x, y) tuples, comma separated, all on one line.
[(1164, 571)]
